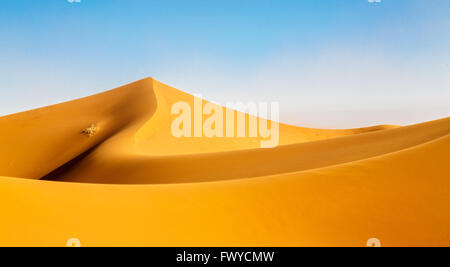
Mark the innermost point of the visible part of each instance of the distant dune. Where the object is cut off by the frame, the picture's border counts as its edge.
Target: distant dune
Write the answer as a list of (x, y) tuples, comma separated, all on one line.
[(106, 170)]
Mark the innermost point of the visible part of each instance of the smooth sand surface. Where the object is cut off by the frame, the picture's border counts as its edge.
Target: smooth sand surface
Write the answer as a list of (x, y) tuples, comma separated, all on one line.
[(132, 183)]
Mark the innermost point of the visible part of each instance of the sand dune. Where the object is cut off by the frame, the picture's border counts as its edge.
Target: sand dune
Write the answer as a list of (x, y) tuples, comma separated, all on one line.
[(128, 181)]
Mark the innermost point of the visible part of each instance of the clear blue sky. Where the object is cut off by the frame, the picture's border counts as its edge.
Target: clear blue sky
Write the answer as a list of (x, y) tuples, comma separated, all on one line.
[(337, 63)]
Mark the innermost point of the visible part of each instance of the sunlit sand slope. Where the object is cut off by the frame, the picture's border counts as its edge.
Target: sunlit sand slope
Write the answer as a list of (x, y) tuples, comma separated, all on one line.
[(128, 181), (401, 198)]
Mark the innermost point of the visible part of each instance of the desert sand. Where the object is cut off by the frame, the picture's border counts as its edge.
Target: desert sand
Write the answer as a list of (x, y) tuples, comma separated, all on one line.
[(106, 170)]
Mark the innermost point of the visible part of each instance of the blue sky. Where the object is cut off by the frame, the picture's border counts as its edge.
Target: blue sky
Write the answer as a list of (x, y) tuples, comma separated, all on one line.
[(330, 63)]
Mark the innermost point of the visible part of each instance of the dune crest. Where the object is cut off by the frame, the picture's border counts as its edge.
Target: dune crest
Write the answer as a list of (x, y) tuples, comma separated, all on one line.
[(127, 124), (129, 181)]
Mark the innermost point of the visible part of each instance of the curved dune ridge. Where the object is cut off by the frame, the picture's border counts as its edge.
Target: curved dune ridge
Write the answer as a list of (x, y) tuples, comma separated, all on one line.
[(106, 170)]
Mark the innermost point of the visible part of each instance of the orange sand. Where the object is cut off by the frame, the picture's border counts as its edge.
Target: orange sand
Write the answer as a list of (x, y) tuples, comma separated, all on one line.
[(131, 183)]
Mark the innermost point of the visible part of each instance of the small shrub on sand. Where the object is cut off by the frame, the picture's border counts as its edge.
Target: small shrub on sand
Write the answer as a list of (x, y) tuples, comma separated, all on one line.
[(90, 131)]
